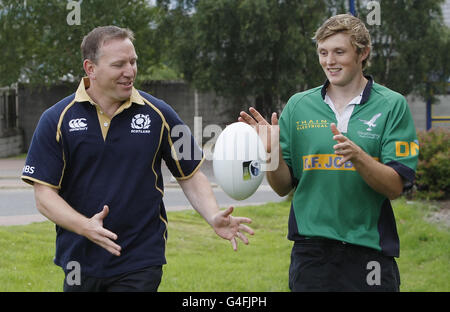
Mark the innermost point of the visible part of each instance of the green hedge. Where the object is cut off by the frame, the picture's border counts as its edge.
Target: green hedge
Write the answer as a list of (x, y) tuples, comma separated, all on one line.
[(433, 169)]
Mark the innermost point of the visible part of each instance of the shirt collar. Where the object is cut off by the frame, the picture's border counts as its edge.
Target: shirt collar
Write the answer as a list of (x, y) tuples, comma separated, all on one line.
[(82, 96), (364, 96), (356, 100)]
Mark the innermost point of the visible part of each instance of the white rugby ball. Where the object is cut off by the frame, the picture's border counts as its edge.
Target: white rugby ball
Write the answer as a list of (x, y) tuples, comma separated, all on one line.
[(237, 159)]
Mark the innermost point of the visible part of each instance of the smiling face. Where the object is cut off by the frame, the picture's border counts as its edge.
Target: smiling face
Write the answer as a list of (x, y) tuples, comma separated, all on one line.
[(339, 59), (114, 73)]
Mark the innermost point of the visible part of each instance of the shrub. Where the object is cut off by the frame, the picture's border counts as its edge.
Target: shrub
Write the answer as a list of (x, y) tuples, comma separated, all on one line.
[(433, 169)]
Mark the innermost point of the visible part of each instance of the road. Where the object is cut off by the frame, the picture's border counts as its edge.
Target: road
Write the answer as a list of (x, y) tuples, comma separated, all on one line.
[(17, 206)]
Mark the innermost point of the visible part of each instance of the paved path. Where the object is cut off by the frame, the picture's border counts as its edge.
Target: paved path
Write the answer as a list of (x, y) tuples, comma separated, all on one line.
[(17, 204), (10, 171)]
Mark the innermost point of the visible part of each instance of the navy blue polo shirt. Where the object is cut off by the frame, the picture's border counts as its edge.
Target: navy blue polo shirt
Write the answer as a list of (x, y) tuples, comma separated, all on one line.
[(95, 161)]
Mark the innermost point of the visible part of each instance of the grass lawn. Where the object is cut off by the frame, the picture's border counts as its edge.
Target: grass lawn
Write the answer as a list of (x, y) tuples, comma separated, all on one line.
[(200, 261)]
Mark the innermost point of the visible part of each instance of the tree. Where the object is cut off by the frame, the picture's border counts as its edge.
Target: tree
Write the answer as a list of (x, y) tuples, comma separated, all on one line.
[(41, 47), (262, 49), (410, 46), (259, 49)]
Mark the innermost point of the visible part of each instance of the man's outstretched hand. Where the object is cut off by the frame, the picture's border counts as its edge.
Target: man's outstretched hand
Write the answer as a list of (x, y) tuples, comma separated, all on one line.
[(96, 233), (229, 227)]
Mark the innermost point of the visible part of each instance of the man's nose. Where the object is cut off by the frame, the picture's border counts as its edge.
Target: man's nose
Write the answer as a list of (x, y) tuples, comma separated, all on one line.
[(129, 70), (331, 59)]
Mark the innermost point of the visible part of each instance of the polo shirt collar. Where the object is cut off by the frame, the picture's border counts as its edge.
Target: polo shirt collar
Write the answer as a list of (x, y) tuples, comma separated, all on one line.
[(82, 96), (365, 95)]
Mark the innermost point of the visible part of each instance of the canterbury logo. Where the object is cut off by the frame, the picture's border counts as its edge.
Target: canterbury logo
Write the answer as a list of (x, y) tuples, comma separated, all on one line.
[(78, 124)]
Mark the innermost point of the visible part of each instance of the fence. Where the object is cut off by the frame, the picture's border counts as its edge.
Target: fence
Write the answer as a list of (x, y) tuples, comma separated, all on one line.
[(11, 139), (431, 118), (9, 106)]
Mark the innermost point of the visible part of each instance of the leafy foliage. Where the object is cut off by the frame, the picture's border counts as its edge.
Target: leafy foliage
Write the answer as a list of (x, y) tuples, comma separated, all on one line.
[(243, 49), (433, 170), (40, 47), (249, 51), (410, 47), (261, 50)]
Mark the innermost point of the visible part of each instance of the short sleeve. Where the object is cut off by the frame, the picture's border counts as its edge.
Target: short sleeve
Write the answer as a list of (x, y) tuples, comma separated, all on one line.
[(400, 147), (180, 151), (45, 159)]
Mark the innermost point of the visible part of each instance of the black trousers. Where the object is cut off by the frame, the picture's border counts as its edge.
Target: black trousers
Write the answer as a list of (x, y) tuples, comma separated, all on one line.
[(144, 280), (327, 265)]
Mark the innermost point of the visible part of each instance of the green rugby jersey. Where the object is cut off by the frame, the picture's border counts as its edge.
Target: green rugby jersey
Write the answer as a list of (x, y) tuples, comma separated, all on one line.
[(332, 200)]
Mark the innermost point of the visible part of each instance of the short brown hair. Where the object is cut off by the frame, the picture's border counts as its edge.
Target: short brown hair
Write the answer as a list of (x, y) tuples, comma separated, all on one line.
[(347, 23), (93, 41)]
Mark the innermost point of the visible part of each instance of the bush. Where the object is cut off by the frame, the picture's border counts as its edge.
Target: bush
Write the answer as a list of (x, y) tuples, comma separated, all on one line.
[(433, 169)]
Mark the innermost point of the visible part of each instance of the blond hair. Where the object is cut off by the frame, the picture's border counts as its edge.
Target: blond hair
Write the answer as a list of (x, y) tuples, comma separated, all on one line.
[(348, 24)]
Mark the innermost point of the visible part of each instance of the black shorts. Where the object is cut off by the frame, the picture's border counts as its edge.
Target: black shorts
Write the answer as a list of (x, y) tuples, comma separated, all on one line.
[(327, 265), (144, 280)]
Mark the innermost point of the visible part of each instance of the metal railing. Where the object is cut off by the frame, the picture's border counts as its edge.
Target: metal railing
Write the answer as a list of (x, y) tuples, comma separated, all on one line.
[(430, 118)]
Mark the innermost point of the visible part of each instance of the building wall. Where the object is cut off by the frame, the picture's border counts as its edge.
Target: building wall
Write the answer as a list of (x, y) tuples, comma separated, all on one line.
[(212, 109), (181, 97), (34, 101), (11, 144)]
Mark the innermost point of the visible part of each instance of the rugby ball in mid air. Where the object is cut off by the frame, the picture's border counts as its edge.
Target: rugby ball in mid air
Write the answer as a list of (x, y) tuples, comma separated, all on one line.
[(237, 159)]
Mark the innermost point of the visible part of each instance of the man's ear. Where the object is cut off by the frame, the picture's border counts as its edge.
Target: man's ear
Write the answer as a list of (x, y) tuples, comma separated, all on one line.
[(89, 68), (364, 54)]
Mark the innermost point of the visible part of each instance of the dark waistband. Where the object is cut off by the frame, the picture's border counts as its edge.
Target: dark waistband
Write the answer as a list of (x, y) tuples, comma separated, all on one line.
[(320, 240), (323, 241)]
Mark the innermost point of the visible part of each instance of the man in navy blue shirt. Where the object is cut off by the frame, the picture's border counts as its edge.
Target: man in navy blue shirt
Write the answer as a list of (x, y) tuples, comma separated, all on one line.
[(95, 163)]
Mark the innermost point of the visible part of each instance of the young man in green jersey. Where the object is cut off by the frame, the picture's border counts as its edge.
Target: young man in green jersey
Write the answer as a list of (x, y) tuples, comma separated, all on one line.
[(347, 148)]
